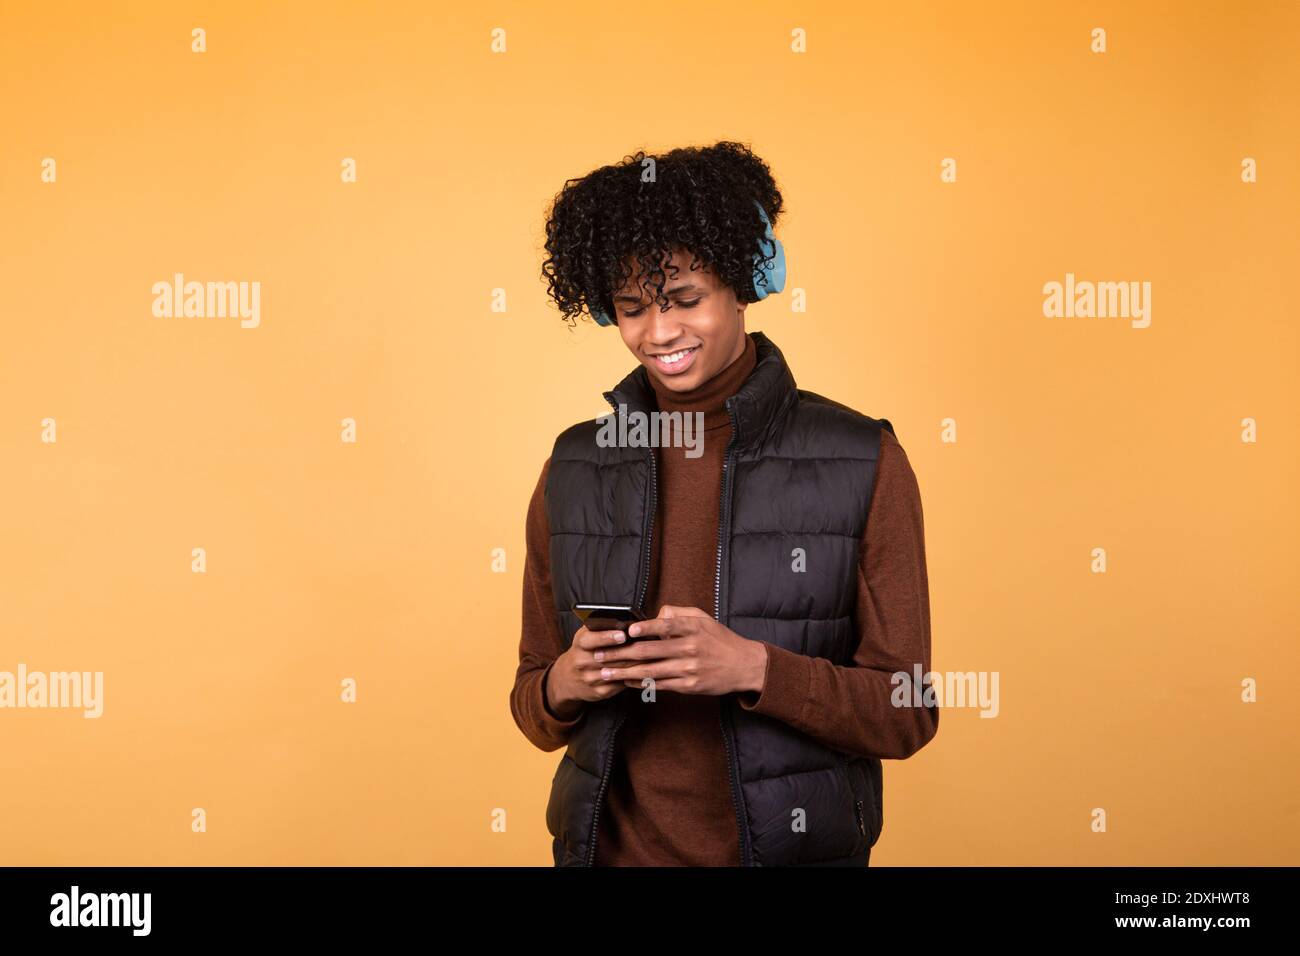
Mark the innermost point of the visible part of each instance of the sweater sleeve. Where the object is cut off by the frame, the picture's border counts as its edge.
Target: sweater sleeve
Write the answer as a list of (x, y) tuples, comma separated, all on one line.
[(541, 641), (850, 707)]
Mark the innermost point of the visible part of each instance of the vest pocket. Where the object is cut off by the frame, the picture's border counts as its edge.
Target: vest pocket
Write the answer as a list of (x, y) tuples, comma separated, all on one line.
[(866, 815)]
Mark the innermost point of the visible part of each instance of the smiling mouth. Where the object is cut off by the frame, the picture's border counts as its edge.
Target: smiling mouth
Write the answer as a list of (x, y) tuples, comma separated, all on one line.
[(674, 362)]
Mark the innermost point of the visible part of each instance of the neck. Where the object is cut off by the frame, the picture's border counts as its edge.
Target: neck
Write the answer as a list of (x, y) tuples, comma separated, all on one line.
[(710, 397)]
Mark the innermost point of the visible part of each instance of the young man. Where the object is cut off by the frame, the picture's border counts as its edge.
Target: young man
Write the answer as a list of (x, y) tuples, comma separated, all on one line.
[(785, 565)]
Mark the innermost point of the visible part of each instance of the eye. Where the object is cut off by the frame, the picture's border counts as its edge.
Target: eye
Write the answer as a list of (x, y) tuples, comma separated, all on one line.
[(683, 305)]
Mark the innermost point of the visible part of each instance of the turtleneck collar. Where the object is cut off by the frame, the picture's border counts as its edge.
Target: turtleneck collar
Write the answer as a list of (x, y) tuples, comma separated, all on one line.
[(762, 400), (710, 397)]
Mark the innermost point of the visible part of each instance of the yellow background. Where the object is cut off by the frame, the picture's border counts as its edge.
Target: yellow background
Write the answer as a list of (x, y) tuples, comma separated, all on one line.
[(372, 560)]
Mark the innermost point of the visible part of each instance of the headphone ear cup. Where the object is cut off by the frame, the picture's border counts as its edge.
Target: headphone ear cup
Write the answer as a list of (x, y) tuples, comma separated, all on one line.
[(768, 280), (600, 317)]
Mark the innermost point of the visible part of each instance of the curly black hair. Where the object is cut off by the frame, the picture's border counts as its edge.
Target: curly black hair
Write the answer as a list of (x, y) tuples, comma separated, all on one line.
[(700, 199)]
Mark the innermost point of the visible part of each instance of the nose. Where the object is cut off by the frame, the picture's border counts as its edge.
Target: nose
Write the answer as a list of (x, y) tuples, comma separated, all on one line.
[(664, 327)]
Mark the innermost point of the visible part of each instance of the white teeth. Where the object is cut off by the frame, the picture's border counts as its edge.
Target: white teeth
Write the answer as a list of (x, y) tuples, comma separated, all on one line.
[(674, 358)]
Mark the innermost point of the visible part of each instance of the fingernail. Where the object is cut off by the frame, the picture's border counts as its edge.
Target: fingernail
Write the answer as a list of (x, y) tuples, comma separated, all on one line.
[(600, 655), (606, 672), (619, 637), (634, 630)]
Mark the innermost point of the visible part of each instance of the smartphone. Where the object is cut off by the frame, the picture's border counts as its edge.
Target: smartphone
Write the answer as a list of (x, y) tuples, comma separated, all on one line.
[(609, 617)]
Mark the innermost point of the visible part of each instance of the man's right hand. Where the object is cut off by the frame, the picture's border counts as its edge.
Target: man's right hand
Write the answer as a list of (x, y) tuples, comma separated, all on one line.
[(575, 675)]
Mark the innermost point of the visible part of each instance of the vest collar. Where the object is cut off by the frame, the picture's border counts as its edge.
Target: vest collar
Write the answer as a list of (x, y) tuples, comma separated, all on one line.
[(762, 399)]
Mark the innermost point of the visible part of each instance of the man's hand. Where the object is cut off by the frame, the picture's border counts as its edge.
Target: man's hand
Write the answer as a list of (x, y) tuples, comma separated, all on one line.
[(695, 654), (575, 675)]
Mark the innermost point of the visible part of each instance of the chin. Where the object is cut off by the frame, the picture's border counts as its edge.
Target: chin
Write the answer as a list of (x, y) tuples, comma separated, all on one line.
[(678, 383)]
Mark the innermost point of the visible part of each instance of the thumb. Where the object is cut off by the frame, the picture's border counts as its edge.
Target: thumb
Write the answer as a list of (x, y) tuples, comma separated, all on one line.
[(673, 610)]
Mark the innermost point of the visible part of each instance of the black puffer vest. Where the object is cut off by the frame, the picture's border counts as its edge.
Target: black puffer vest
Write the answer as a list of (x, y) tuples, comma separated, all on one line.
[(798, 473)]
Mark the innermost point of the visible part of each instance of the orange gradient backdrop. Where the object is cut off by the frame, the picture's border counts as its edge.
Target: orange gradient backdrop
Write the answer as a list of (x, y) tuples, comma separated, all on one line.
[(373, 560)]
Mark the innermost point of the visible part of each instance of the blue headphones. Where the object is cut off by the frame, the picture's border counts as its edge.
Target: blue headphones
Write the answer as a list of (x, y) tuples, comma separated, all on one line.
[(764, 285)]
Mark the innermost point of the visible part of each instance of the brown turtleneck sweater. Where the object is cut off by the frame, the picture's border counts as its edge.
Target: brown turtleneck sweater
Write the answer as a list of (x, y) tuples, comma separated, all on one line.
[(669, 801)]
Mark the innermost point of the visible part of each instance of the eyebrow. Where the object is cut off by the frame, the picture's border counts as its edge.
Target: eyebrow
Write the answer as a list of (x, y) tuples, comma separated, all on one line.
[(673, 290)]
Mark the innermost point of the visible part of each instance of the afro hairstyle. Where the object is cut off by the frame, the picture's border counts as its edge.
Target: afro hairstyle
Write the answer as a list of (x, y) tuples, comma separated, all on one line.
[(643, 209)]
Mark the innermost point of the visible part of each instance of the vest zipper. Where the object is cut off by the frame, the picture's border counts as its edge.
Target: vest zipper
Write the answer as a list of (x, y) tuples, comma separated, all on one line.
[(861, 824), (650, 524), (637, 602), (724, 528), (600, 795)]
